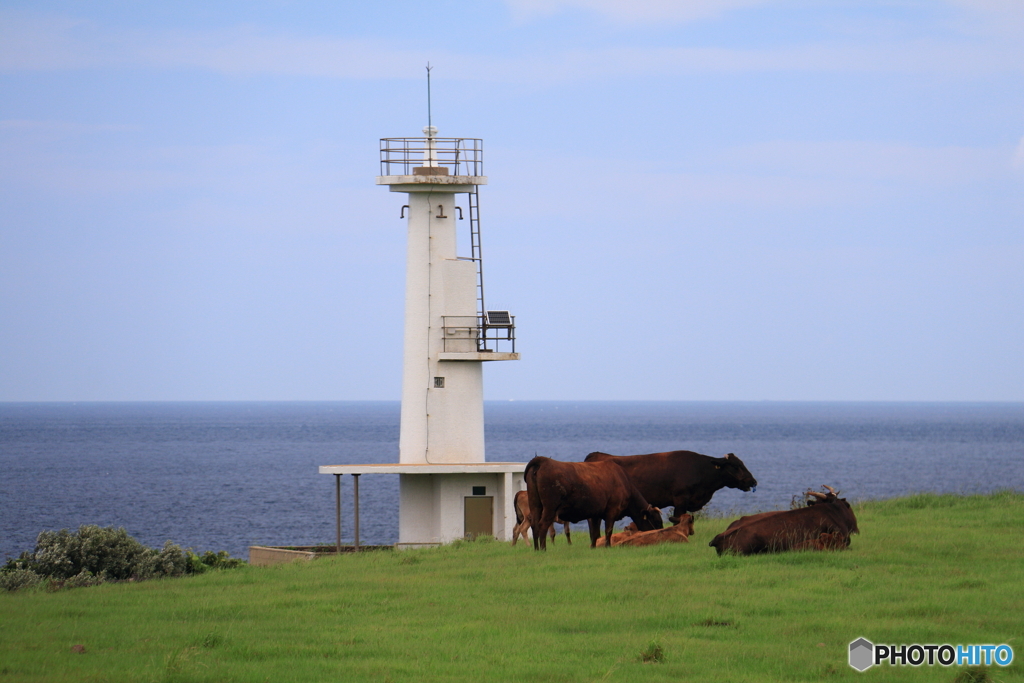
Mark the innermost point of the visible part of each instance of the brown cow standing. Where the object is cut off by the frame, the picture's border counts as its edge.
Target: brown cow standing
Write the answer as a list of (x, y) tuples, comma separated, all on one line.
[(826, 523), (678, 533), (521, 504), (683, 479), (574, 491)]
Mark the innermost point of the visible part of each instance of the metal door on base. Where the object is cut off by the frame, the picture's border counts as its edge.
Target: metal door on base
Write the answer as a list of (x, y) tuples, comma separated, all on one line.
[(479, 517)]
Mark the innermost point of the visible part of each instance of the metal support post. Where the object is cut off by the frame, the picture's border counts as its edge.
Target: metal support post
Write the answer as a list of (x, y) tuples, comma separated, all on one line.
[(337, 510), (356, 489)]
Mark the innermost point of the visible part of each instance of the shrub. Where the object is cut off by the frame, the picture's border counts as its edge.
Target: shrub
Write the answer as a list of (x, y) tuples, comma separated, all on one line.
[(82, 579), (221, 560), (96, 554), (170, 561), (16, 579), (103, 551)]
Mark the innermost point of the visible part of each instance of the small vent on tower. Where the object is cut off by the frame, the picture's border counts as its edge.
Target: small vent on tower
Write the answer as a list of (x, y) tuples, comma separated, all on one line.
[(439, 382)]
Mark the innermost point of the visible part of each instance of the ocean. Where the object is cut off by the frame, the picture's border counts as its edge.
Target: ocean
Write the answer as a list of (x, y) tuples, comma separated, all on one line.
[(223, 476)]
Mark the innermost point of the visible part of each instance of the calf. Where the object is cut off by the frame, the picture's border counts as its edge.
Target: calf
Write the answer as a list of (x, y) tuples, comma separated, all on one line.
[(574, 491), (524, 521), (679, 533), (618, 538)]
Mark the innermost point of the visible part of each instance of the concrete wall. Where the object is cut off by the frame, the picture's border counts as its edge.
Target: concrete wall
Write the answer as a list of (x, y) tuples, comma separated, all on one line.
[(433, 505), (439, 424)]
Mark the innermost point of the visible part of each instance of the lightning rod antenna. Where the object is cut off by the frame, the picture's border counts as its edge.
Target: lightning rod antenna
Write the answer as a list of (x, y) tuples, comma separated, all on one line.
[(429, 121)]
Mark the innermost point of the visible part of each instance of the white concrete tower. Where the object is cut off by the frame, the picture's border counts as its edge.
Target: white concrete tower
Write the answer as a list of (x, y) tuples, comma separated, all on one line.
[(447, 489), (448, 334)]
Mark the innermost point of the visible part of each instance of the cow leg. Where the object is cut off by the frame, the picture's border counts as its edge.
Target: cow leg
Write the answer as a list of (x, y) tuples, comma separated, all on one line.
[(609, 527), (540, 530), (567, 538), (678, 510), (520, 530), (595, 530)]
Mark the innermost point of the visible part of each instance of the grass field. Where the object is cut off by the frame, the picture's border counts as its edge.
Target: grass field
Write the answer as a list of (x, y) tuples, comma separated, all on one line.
[(925, 569)]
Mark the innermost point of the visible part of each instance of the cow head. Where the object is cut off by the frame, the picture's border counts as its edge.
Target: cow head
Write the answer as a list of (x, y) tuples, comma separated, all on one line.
[(838, 504), (650, 519), (686, 523), (735, 473)]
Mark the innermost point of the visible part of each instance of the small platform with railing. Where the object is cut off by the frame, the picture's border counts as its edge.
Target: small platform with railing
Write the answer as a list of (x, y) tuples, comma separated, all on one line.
[(489, 336), (432, 159)]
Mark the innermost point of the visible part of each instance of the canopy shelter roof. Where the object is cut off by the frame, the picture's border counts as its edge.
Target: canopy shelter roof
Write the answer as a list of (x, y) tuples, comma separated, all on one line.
[(426, 468), (508, 469)]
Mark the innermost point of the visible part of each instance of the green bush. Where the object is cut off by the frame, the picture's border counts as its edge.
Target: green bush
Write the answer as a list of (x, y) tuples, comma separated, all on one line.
[(16, 579), (82, 579), (220, 560), (96, 554), (103, 551)]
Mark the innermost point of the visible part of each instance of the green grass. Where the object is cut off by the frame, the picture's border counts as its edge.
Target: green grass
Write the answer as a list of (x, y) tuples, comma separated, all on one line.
[(939, 569)]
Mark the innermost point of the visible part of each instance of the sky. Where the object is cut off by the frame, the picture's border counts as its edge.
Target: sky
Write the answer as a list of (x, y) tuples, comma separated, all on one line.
[(688, 199)]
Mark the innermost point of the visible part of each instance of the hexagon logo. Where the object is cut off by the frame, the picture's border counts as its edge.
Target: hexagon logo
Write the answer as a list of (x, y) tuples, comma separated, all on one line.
[(862, 654)]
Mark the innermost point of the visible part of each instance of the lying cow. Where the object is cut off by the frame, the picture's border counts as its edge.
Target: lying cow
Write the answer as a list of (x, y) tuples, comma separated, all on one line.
[(683, 479), (826, 523), (824, 542), (524, 521), (747, 519), (620, 536), (577, 491), (678, 533)]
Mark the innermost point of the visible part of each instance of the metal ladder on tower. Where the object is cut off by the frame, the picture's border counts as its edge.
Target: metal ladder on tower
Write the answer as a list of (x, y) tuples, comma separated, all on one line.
[(476, 253)]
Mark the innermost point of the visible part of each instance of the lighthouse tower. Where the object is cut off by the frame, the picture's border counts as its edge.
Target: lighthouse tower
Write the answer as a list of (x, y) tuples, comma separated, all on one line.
[(447, 488), (449, 334)]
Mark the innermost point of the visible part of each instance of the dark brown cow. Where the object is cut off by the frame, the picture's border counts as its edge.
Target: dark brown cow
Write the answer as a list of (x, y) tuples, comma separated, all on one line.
[(746, 519), (824, 542), (575, 491), (678, 533), (683, 479), (812, 497), (521, 504), (827, 523)]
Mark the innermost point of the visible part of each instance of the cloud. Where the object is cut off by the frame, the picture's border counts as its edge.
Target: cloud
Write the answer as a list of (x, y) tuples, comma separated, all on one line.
[(788, 175), (61, 128), (874, 162), (633, 11), (916, 57), (992, 17), (30, 42)]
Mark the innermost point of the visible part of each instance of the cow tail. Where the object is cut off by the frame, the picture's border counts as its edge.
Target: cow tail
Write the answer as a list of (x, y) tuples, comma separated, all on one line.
[(532, 492)]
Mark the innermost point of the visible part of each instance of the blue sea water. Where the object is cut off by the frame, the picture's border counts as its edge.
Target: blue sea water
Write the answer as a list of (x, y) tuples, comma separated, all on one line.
[(223, 476)]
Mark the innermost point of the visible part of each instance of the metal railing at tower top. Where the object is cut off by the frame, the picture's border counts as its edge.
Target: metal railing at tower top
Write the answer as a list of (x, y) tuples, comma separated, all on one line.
[(461, 156)]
